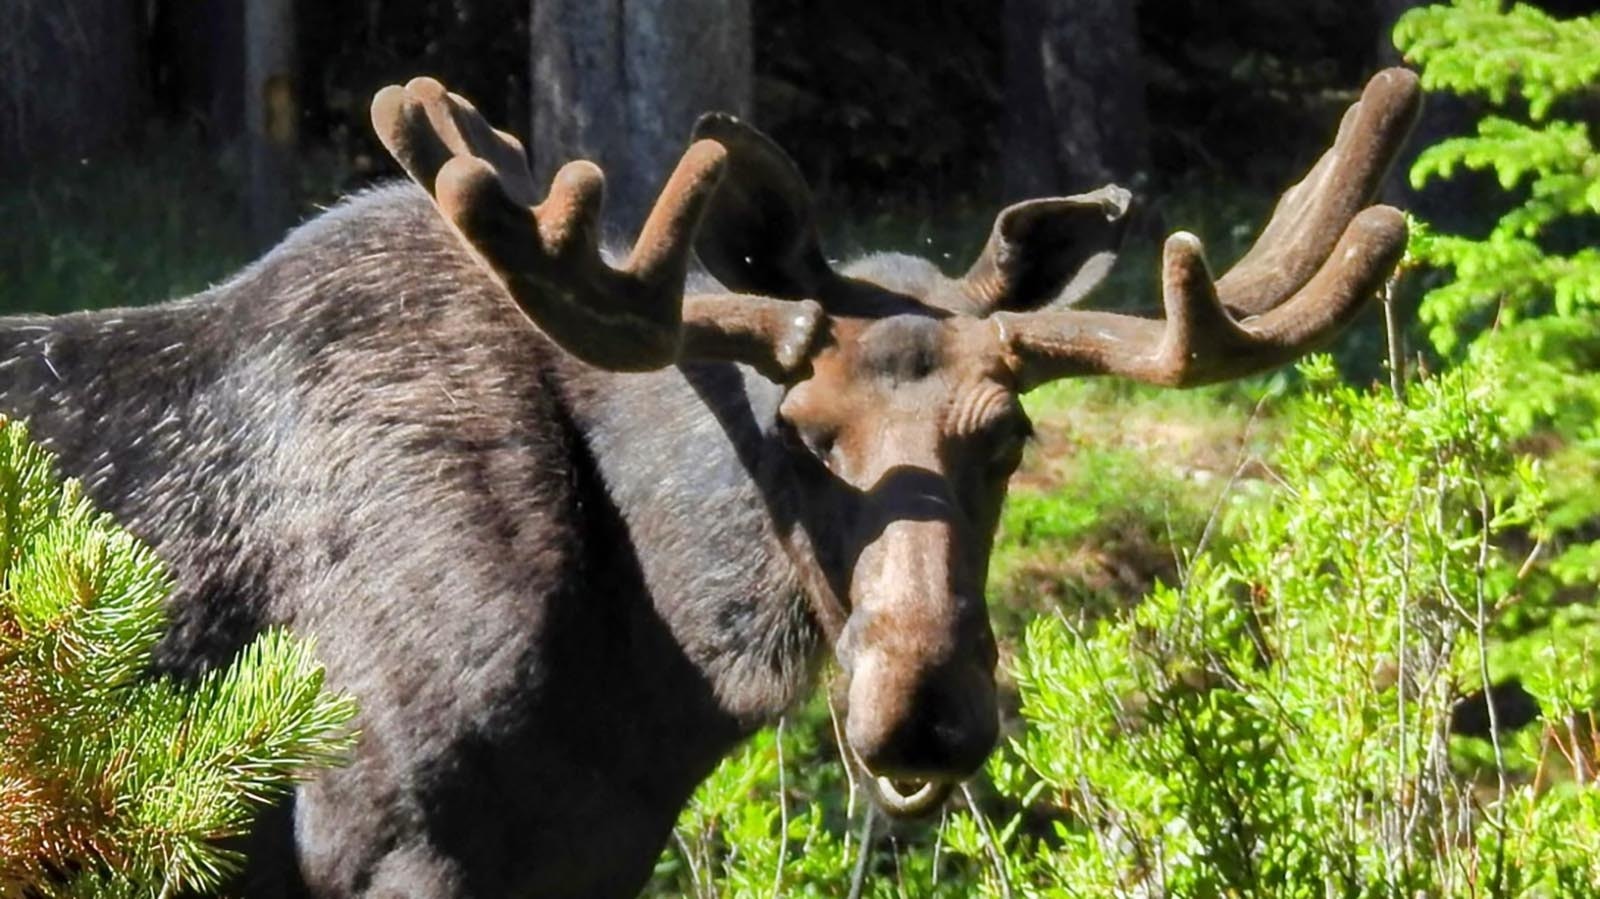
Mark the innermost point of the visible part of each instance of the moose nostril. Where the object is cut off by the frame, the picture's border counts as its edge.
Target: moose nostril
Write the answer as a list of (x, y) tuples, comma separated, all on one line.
[(923, 750), (944, 732)]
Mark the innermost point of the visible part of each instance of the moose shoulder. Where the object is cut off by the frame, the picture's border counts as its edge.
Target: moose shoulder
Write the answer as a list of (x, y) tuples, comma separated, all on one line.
[(570, 527)]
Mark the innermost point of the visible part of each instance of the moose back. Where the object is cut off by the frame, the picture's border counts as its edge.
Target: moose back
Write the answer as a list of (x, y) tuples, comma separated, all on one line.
[(570, 526)]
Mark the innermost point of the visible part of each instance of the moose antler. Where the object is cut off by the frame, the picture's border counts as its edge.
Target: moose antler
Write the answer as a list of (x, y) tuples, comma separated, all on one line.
[(1320, 257), (547, 254)]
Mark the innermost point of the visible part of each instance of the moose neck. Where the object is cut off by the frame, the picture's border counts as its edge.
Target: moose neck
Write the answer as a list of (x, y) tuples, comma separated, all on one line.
[(690, 459), (361, 439)]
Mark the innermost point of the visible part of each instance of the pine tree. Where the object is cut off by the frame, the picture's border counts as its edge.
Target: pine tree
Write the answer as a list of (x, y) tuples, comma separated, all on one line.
[(1540, 261), (114, 782)]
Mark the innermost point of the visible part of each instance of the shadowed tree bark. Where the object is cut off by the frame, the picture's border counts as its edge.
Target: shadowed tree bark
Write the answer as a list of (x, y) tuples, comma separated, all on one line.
[(1451, 202), (271, 115), (622, 84), (1075, 109), (195, 52), (69, 76)]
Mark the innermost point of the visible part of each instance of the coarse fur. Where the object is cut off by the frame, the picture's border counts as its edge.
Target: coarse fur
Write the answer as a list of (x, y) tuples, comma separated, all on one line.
[(557, 593)]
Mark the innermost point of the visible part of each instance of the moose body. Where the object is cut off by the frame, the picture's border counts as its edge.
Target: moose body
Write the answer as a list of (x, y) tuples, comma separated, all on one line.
[(569, 529), (557, 591)]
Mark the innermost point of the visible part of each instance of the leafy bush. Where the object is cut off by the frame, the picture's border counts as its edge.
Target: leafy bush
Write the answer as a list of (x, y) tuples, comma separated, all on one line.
[(1534, 278), (1525, 297), (113, 783), (1281, 716)]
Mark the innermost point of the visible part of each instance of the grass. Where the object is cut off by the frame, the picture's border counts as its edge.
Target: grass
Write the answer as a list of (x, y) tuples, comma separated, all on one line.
[(159, 220)]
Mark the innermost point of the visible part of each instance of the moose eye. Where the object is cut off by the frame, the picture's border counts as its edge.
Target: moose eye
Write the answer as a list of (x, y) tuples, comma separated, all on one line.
[(819, 442), (1006, 445)]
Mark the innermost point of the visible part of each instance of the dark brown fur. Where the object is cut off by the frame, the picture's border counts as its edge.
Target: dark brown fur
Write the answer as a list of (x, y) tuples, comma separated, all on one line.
[(557, 593)]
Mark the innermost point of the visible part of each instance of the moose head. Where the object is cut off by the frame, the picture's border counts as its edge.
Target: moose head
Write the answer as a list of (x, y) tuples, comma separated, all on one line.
[(900, 413)]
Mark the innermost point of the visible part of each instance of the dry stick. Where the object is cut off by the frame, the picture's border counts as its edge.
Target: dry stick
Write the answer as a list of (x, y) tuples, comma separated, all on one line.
[(1397, 386), (1482, 624), (688, 857), (1468, 805), (1396, 338), (1408, 817), (783, 815), (1592, 744), (1241, 459), (844, 759), (858, 877), (859, 874), (989, 841)]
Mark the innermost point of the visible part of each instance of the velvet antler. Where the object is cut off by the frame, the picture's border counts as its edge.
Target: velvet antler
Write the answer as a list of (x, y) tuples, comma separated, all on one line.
[(1321, 256), (633, 317)]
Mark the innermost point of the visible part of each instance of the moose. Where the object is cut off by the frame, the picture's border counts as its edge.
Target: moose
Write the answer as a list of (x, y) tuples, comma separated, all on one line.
[(570, 524)]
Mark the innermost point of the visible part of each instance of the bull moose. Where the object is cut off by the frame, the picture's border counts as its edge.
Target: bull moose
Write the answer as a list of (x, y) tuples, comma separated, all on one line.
[(571, 524)]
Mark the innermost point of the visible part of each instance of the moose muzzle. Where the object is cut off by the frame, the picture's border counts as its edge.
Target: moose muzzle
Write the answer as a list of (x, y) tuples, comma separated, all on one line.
[(920, 658)]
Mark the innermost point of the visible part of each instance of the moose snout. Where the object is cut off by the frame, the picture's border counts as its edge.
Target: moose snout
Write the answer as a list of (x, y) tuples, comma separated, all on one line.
[(933, 724)]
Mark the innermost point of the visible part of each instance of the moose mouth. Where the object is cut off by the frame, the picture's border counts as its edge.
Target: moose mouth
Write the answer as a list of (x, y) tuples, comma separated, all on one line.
[(908, 798), (900, 797)]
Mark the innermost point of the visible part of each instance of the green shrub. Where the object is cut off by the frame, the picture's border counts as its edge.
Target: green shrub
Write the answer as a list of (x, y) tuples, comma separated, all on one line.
[(1525, 298), (1276, 723), (1531, 285), (114, 783)]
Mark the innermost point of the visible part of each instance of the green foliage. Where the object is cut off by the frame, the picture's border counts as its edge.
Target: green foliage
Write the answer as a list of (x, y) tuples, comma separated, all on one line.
[(150, 222), (1481, 47), (1534, 278), (1279, 717), (1538, 265), (1110, 488), (113, 782), (781, 818)]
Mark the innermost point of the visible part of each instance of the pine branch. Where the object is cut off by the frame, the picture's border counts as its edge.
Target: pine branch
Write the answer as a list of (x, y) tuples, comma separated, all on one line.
[(113, 783)]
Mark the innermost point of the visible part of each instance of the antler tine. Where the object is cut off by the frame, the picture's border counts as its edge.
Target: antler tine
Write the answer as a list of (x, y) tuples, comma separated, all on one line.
[(1311, 215), (1201, 342), (424, 126), (1319, 259), (628, 318)]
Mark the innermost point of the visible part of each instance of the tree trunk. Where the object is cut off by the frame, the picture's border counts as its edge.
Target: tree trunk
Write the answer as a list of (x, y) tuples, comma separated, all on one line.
[(1075, 109), (69, 76), (196, 49), (622, 84), (271, 115)]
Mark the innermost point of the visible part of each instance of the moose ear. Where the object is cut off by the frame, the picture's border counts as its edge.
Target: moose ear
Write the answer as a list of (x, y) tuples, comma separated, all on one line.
[(1049, 252), (759, 234)]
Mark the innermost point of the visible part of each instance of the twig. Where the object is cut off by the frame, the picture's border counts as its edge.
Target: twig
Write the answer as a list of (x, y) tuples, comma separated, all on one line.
[(858, 877), (989, 841), (688, 857), (844, 759), (783, 816), (1499, 818), (1240, 462), (1396, 339)]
